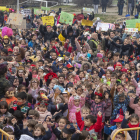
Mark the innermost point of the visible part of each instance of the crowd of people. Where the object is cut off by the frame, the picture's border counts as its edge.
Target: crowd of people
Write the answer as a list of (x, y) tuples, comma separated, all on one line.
[(68, 82)]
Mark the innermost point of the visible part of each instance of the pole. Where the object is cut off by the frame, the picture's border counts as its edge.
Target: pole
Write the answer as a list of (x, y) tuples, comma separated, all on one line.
[(18, 6), (46, 5)]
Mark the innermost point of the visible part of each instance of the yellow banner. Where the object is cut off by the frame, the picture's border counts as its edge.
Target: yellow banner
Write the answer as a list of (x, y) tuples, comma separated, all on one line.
[(48, 20), (87, 22)]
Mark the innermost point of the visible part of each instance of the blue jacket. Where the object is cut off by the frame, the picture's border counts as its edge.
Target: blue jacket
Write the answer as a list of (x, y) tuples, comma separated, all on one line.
[(132, 133), (108, 130), (31, 44)]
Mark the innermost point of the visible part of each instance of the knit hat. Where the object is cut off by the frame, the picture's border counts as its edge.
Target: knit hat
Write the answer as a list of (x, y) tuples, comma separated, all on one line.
[(69, 129), (119, 118)]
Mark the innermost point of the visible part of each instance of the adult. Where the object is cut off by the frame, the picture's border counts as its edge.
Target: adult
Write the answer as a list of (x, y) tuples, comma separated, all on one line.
[(120, 6), (4, 83), (96, 3), (93, 42)]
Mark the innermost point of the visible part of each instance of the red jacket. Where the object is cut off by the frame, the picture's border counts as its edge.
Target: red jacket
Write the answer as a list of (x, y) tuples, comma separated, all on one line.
[(97, 126)]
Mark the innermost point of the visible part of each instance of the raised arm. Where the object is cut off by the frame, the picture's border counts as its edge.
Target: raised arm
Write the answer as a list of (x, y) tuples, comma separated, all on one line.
[(71, 102), (131, 104)]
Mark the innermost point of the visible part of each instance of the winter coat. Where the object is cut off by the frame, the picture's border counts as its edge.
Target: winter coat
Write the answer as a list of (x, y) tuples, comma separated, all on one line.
[(118, 105), (93, 44), (108, 130), (138, 8), (95, 2), (33, 92), (136, 107), (43, 114), (132, 133), (95, 128), (108, 110), (58, 134), (95, 108), (104, 2), (137, 86), (72, 108)]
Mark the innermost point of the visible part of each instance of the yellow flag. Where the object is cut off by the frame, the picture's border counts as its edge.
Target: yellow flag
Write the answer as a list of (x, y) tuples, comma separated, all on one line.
[(61, 38), (48, 20), (87, 22)]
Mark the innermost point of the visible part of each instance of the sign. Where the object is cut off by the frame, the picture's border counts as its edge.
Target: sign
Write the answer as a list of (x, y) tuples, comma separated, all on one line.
[(66, 18), (80, 17), (15, 19), (27, 12), (3, 8), (122, 19), (105, 26), (131, 29), (132, 23), (88, 9), (45, 8), (48, 20), (22, 26), (38, 11), (61, 38), (87, 22)]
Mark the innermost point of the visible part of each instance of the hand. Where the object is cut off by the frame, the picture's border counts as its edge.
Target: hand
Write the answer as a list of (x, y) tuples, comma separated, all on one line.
[(82, 96), (51, 95), (45, 125), (14, 121), (78, 109), (107, 123), (127, 115), (1, 119), (99, 114), (11, 137), (78, 132), (121, 91)]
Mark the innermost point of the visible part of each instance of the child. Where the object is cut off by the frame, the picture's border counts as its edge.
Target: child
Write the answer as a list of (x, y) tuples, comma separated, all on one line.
[(137, 85), (121, 136), (85, 112), (136, 107), (133, 122), (89, 123), (74, 103), (42, 110), (120, 104), (22, 103), (33, 114)]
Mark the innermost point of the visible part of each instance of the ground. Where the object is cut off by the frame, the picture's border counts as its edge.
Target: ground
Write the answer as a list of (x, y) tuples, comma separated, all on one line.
[(110, 16)]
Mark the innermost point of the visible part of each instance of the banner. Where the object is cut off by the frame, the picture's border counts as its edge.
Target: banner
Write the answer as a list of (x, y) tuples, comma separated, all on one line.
[(66, 18), (122, 19), (131, 29), (132, 23), (38, 11), (105, 26), (87, 22), (22, 26), (45, 8), (15, 19), (88, 9), (27, 12), (48, 20)]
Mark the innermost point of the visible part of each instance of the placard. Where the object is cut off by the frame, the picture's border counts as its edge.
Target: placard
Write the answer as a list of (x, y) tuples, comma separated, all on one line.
[(15, 19), (132, 23), (80, 17), (38, 11), (45, 8), (22, 26), (105, 26), (87, 22), (66, 18), (27, 12), (85, 9), (131, 29), (48, 20)]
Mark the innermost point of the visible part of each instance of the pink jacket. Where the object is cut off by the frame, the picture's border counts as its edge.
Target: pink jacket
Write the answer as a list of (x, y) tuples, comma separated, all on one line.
[(136, 107), (43, 114), (137, 85), (72, 108), (34, 93)]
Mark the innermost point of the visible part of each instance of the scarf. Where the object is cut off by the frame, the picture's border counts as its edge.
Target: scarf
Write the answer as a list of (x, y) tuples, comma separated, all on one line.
[(132, 126)]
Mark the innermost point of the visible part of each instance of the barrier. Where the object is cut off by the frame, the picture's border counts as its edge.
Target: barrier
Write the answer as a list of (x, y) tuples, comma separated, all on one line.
[(127, 129), (4, 133)]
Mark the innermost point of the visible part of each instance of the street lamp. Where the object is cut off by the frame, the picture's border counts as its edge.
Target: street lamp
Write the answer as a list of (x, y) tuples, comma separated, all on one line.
[(18, 6)]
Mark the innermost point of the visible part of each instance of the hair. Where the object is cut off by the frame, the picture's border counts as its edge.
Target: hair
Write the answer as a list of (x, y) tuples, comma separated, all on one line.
[(41, 127), (61, 97), (108, 71), (109, 63), (3, 69), (96, 71), (3, 104), (91, 118), (64, 118), (114, 75), (101, 64), (34, 113), (79, 86), (61, 75), (22, 95), (31, 123), (18, 115), (85, 108), (116, 54), (84, 135), (34, 79), (121, 134), (8, 129), (41, 61), (134, 116), (121, 96), (20, 87)]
